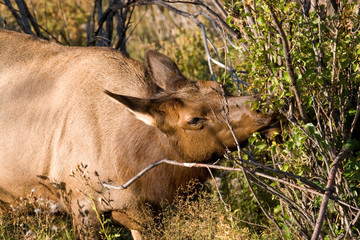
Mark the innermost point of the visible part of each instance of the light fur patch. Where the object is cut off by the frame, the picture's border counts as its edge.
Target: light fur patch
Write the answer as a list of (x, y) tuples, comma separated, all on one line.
[(146, 118)]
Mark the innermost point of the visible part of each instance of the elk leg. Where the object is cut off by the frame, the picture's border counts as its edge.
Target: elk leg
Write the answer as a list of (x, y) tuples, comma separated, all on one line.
[(128, 222), (136, 235)]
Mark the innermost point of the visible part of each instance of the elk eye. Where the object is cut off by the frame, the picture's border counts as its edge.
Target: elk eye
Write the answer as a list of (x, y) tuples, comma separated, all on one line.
[(194, 121)]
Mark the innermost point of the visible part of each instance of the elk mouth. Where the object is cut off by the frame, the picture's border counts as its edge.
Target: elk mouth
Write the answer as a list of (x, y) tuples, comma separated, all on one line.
[(268, 132)]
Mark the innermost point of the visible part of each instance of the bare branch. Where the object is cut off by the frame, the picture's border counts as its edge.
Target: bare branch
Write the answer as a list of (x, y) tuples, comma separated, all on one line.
[(209, 11), (329, 189), (220, 8), (280, 195), (18, 18), (208, 56), (24, 17), (288, 62), (30, 17)]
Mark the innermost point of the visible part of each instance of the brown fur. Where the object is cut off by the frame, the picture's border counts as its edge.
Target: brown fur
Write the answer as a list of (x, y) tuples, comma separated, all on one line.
[(54, 115)]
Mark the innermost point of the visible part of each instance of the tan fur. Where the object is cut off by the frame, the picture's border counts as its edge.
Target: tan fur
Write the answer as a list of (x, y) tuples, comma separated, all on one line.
[(54, 115)]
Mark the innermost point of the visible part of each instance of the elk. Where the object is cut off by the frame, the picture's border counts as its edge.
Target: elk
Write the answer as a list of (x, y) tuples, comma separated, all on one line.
[(61, 107)]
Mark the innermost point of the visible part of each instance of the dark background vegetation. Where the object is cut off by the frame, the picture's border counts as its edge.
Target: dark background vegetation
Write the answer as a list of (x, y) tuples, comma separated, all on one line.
[(301, 56)]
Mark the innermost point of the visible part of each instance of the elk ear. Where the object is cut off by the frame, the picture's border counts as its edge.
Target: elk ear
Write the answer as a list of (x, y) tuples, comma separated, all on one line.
[(164, 71), (138, 106)]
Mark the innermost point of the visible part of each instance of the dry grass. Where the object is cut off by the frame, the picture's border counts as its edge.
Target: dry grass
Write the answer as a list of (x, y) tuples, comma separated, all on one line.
[(197, 213), (35, 218)]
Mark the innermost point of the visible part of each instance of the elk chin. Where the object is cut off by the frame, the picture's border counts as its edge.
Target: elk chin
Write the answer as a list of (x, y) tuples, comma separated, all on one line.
[(269, 132)]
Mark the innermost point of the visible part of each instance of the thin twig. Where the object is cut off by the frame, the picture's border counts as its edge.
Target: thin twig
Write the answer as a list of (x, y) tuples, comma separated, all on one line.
[(353, 124), (267, 215), (225, 205), (274, 192), (250, 20), (220, 196), (209, 11), (15, 14), (208, 56)]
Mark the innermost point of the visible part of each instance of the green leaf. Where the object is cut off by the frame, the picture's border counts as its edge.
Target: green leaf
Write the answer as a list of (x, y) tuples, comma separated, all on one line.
[(352, 112), (287, 77), (277, 209), (352, 144), (252, 139), (285, 167), (345, 63), (272, 88), (311, 128)]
